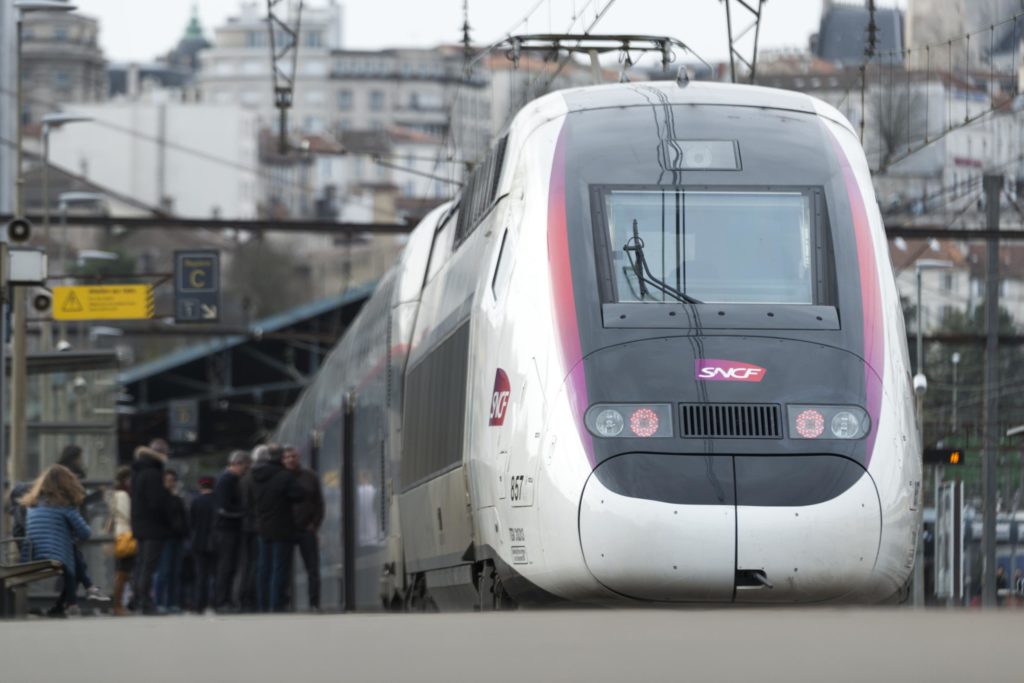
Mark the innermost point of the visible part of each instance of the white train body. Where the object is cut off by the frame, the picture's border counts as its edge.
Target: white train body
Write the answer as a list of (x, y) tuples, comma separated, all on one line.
[(732, 424)]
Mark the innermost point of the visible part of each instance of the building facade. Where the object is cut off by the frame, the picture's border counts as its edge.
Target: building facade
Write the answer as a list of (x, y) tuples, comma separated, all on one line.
[(8, 114), (236, 69), (935, 22), (191, 159), (61, 62)]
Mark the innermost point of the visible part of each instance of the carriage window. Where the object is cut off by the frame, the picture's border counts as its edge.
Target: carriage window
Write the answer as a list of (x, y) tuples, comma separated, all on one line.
[(480, 191), (711, 246)]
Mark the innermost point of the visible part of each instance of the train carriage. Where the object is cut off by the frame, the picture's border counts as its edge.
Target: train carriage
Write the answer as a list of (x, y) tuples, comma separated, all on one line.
[(653, 353)]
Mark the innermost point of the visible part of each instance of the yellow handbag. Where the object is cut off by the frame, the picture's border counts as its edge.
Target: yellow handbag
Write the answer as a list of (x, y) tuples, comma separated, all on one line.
[(125, 546)]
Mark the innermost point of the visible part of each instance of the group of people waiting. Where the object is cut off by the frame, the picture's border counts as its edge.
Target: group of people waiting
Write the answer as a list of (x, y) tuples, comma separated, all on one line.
[(240, 530)]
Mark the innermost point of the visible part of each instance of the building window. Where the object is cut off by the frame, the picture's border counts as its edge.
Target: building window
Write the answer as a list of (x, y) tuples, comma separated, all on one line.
[(62, 81), (947, 281), (376, 100), (314, 39), (315, 68), (345, 100), (256, 39), (60, 33)]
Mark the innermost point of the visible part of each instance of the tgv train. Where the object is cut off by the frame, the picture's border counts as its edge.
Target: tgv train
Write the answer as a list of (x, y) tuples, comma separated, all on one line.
[(653, 353)]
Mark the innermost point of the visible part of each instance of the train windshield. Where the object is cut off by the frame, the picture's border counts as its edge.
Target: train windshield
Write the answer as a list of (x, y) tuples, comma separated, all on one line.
[(704, 246)]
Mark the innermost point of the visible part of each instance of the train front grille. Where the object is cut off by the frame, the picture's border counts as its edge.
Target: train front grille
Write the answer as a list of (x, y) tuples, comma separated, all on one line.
[(731, 420)]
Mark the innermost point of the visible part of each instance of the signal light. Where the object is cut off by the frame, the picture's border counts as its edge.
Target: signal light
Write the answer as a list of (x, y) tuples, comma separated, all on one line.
[(644, 422), (810, 424), (943, 456)]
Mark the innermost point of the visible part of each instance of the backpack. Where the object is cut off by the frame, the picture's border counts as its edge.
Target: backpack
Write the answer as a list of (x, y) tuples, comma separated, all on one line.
[(19, 516), (17, 511)]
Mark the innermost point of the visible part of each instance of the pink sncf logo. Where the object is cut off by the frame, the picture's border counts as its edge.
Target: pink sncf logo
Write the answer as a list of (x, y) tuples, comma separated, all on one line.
[(499, 399), (716, 370)]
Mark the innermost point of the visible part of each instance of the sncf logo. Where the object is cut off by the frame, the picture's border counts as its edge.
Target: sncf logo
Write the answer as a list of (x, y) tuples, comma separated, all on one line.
[(714, 370), (499, 399)]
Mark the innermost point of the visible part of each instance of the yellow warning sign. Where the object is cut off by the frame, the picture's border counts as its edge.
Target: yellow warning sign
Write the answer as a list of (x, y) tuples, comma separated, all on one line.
[(107, 302)]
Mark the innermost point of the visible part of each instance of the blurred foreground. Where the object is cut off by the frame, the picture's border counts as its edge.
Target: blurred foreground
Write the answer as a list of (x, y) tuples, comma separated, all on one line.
[(592, 645)]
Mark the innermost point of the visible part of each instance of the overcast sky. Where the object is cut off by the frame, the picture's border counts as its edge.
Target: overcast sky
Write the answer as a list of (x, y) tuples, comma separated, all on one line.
[(140, 30)]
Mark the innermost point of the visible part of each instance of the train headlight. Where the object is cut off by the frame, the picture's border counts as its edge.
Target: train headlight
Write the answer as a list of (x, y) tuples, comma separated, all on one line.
[(609, 422), (651, 420), (828, 422), (845, 425)]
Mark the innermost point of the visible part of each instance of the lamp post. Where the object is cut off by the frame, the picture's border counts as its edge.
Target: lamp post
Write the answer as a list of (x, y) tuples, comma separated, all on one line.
[(18, 359), (50, 122), (920, 387), (64, 200), (955, 359), (919, 377)]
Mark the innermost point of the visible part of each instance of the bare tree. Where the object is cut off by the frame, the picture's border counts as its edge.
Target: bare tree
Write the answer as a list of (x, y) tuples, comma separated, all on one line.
[(266, 279), (898, 121)]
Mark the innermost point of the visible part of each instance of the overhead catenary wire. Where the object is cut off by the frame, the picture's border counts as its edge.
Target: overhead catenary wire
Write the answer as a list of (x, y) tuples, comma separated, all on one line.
[(905, 54), (531, 84), (467, 72)]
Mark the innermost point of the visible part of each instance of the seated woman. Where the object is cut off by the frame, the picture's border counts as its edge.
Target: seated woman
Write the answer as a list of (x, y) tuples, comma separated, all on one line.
[(52, 523)]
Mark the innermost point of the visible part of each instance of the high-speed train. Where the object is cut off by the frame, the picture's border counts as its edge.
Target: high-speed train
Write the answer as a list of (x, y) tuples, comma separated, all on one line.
[(653, 353)]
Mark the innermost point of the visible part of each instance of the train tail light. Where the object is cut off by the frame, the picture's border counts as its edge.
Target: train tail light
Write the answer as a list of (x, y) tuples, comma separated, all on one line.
[(630, 420), (827, 422)]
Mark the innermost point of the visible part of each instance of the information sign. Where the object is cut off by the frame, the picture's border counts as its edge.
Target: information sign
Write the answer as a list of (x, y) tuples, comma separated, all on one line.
[(104, 302), (196, 286)]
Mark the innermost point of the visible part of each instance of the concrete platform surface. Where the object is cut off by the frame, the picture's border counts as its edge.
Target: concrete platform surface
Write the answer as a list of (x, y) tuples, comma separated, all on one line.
[(586, 645)]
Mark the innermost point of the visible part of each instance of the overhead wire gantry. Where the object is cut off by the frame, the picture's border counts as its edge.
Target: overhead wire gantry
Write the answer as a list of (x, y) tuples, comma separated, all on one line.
[(284, 20), (736, 36)]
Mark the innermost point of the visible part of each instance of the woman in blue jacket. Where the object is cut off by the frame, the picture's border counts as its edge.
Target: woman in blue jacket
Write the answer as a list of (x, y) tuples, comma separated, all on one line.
[(53, 523)]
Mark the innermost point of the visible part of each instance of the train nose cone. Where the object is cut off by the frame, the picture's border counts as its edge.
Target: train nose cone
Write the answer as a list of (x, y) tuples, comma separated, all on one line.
[(702, 528), (661, 527)]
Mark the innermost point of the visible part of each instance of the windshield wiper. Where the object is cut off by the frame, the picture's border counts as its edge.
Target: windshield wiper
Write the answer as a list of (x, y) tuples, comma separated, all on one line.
[(643, 272)]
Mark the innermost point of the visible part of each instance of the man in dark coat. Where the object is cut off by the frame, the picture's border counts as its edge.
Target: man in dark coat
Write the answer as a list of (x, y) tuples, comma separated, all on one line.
[(202, 515), (230, 511), (153, 520), (277, 489), (249, 554), (309, 515)]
